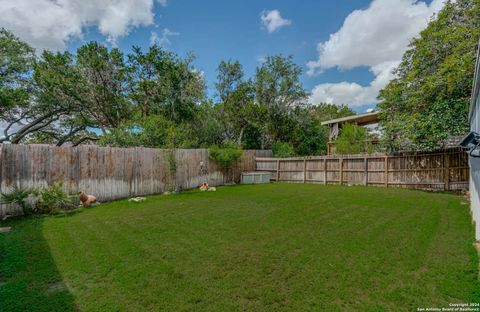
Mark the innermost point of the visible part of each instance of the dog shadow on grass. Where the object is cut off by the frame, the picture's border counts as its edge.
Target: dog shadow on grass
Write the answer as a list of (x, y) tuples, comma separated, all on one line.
[(29, 279)]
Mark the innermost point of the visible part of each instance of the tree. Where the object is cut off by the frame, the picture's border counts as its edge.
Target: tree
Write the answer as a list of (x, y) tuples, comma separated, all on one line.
[(164, 84), (308, 136), (30, 112), (429, 98), (282, 149), (17, 60), (207, 126), (278, 90), (237, 101), (153, 98), (152, 131), (68, 95), (326, 111), (103, 84), (61, 94), (352, 140)]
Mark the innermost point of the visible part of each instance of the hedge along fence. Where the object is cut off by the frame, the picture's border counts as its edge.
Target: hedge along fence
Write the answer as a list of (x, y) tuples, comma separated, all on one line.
[(114, 173), (445, 170)]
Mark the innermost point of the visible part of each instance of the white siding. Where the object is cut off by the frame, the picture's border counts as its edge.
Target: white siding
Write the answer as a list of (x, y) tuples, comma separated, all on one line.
[(475, 171)]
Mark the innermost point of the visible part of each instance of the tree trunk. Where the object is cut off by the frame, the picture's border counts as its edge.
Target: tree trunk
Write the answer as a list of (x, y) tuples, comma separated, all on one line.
[(145, 107), (240, 136)]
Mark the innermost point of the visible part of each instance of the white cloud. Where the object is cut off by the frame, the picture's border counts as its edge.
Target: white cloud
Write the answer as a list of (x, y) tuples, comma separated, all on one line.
[(162, 40), (48, 24), (272, 20), (375, 37), (352, 93)]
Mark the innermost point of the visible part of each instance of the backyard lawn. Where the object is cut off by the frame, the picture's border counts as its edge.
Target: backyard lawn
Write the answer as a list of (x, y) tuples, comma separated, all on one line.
[(275, 247)]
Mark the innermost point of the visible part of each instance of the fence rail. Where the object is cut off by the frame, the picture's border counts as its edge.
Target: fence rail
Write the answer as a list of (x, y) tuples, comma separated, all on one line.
[(113, 173), (447, 170)]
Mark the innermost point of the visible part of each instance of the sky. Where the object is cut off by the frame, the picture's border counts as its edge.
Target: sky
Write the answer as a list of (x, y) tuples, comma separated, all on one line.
[(347, 48)]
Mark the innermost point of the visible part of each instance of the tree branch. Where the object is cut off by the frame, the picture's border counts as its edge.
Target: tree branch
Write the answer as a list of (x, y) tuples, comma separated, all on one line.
[(33, 126), (83, 139)]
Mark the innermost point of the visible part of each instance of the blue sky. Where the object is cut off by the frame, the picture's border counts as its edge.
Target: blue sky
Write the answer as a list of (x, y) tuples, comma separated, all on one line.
[(347, 48), (221, 30)]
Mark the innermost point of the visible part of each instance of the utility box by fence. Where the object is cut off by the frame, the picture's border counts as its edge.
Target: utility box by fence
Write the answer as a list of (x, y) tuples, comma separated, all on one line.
[(255, 177)]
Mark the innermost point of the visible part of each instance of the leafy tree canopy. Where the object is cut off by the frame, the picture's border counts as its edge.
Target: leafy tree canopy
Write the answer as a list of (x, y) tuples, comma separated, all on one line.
[(429, 99), (154, 98)]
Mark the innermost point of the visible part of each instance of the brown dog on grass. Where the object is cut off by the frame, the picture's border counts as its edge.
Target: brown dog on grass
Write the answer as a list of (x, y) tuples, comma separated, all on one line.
[(86, 200)]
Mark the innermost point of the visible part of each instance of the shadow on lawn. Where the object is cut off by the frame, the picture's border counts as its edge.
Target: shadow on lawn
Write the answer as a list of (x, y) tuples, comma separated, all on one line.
[(29, 279)]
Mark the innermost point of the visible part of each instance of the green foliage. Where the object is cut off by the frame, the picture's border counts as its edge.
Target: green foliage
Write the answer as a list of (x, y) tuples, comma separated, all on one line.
[(162, 83), (304, 132), (225, 156), (308, 136), (207, 125), (352, 140), (53, 199), (17, 59), (18, 196), (278, 90), (282, 149), (151, 131), (326, 111), (104, 77), (429, 99), (153, 98), (238, 109), (47, 200)]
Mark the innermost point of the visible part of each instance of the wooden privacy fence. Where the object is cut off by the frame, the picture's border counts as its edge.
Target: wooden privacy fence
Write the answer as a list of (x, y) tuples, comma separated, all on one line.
[(446, 170), (112, 173)]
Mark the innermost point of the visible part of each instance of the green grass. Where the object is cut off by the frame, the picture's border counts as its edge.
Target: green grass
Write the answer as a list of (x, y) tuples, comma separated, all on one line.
[(276, 247)]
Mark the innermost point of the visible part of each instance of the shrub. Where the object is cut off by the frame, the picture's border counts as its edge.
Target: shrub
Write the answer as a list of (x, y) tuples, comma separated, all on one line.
[(53, 199), (18, 196), (225, 157), (282, 149), (352, 140)]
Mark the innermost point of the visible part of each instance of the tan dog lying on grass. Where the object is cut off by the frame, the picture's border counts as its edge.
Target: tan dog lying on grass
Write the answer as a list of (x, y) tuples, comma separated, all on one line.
[(86, 200)]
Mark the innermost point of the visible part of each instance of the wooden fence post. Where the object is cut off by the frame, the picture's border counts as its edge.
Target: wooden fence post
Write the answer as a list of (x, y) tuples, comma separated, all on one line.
[(446, 173), (304, 169), (366, 170), (325, 171), (386, 171), (278, 170), (341, 170)]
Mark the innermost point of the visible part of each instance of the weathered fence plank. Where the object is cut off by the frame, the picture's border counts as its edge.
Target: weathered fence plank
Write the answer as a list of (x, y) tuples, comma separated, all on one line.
[(446, 170), (113, 173)]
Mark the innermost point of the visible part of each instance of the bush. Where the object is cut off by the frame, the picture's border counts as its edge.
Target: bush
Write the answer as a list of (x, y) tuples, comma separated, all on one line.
[(225, 157), (353, 139), (282, 150), (53, 199), (18, 196)]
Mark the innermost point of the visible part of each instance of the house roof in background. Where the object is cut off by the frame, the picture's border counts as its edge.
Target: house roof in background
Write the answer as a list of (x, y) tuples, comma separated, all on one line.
[(362, 119)]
